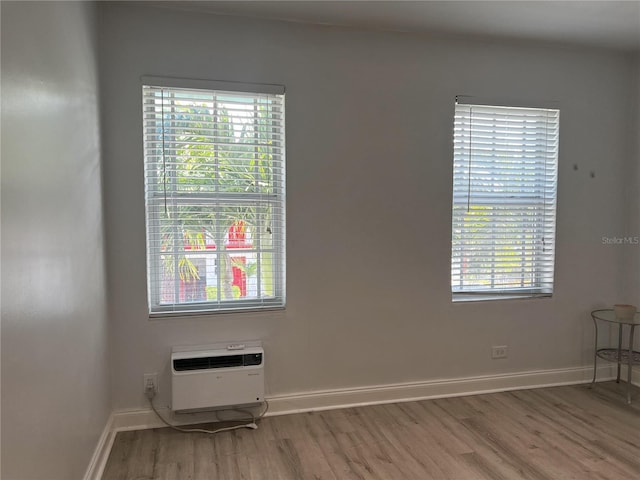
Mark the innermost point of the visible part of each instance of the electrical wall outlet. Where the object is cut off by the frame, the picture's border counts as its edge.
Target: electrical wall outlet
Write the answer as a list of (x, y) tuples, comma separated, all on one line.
[(499, 351), (151, 381)]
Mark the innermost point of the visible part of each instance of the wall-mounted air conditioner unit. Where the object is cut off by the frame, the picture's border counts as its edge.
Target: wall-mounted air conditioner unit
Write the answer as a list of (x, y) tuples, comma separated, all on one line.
[(217, 378)]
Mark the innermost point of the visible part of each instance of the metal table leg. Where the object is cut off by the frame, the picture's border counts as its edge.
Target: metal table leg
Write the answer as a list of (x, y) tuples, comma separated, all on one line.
[(595, 355), (630, 363), (619, 351)]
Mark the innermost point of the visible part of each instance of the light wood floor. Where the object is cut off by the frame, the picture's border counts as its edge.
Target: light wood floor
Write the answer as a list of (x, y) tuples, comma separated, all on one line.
[(552, 433)]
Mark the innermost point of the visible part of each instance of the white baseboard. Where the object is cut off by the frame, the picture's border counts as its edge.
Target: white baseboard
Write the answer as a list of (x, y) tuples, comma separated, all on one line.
[(378, 394), (101, 453), (146, 418), (635, 375), (407, 392)]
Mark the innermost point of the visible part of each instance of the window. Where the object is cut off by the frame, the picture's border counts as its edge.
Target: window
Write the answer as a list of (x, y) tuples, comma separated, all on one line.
[(214, 162), (504, 201)]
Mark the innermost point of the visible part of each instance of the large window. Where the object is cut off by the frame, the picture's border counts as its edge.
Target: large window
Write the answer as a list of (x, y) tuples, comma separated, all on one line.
[(214, 156), (504, 201)]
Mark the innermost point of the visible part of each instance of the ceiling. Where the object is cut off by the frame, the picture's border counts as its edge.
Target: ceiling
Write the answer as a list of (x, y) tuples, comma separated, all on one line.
[(606, 24)]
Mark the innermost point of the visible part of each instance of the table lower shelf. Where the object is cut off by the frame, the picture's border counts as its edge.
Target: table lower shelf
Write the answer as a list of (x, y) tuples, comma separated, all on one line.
[(611, 355)]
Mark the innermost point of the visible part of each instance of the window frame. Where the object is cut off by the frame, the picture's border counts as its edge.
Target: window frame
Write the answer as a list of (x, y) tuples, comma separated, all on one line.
[(543, 286), (275, 200)]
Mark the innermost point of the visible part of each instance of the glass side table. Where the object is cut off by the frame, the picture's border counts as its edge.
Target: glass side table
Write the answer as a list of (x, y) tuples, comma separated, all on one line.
[(621, 356)]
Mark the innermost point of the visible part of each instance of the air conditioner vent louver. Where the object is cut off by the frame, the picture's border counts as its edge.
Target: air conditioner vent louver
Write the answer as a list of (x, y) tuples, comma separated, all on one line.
[(206, 363)]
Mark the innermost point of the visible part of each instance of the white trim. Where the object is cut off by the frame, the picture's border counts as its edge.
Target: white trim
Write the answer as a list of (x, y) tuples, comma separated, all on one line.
[(144, 419), (141, 419), (407, 392), (380, 394), (508, 102), (102, 451), (202, 84), (635, 375)]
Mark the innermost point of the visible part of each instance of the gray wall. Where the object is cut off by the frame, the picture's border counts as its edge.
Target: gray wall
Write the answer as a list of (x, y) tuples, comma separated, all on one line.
[(634, 202), (55, 388), (369, 152), (632, 250)]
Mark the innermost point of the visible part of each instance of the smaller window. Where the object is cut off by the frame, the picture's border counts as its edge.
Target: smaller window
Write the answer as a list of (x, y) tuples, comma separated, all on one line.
[(505, 168), (215, 196)]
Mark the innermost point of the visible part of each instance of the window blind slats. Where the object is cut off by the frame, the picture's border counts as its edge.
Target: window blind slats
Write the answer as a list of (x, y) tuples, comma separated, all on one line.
[(215, 198), (504, 200)]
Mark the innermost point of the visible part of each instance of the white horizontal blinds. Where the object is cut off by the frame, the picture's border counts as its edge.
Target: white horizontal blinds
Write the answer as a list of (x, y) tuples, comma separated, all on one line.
[(504, 200), (215, 199)]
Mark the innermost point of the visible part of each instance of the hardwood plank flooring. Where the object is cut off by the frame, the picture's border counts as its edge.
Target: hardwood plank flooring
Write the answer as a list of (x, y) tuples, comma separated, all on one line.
[(557, 433)]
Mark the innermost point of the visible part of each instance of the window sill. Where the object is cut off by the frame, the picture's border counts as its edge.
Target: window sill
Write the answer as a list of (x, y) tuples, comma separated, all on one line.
[(206, 313), (464, 298)]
